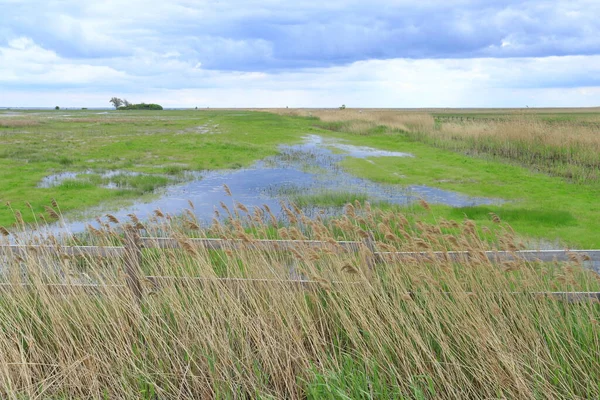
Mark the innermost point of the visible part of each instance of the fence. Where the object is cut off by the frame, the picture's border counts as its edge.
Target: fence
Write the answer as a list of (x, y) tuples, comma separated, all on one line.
[(131, 252)]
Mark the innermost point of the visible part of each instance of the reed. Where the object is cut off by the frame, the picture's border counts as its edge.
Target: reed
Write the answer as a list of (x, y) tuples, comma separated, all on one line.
[(410, 329), (563, 146), (568, 149), (363, 121)]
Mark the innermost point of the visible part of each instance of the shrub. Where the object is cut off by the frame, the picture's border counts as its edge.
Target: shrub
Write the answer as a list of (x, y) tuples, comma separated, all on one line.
[(141, 106)]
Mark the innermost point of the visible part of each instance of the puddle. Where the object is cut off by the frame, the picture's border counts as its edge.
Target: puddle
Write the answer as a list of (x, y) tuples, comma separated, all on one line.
[(355, 151), (201, 129), (309, 168), (57, 179), (454, 199)]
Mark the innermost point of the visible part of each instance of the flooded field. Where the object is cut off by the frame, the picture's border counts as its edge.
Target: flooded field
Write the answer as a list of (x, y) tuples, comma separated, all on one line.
[(307, 169)]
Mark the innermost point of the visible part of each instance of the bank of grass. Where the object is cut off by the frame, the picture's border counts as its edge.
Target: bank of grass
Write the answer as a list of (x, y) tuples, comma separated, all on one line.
[(565, 144), (321, 197), (538, 202), (328, 199), (172, 142), (37, 144), (414, 329)]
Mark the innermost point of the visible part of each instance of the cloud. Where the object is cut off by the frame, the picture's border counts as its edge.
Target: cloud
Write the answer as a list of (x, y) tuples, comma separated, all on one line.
[(407, 53), (251, 35), (24, 63), (479, 82)]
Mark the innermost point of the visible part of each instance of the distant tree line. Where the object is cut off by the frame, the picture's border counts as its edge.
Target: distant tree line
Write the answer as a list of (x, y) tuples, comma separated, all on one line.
[(123, 104)]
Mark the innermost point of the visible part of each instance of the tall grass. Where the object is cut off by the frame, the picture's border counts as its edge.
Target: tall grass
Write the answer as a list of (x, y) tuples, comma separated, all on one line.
[(566, 147), (411, 329), (364, 121)]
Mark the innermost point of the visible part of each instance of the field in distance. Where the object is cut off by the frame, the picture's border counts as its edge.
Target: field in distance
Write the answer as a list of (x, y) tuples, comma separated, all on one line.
[(544, 163)]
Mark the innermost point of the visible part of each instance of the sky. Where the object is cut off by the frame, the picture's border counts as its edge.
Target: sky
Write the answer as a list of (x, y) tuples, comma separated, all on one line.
[(270, 53)]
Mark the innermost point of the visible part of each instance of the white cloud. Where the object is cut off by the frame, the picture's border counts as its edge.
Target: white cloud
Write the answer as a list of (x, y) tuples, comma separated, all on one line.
[(482, 82), (301, 53), (25, 63)]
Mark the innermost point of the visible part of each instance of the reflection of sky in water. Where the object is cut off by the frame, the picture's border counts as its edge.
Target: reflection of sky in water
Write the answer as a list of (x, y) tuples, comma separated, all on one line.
[(307, 168), (353, 151), (57, 179)]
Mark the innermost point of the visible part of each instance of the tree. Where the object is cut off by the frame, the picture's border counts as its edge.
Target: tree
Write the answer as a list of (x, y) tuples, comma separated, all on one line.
[(116, 102), (126, 103), (57, 108)]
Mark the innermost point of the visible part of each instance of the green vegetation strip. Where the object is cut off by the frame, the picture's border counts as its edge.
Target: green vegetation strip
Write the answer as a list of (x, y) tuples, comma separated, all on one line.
[(167, 143), (158, 143)]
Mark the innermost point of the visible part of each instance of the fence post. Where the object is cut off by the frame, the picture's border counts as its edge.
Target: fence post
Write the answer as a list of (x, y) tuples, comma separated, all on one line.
[(369, 243), (133, 258)]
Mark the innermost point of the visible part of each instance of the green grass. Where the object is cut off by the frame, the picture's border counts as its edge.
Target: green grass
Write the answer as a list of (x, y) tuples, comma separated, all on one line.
[(140, 184), (357, 379), (537, 205), (162, 142), (324, 198), (165, 144)]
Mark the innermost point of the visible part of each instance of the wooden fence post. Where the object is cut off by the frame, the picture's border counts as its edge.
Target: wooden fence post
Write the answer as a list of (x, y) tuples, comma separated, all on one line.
[(369, 243), (133, 258)]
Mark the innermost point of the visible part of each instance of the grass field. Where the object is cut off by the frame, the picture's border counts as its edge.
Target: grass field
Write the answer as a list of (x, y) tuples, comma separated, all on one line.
[(161, 144), (511, 154), (414, 329), (457, 150), (407, 330)]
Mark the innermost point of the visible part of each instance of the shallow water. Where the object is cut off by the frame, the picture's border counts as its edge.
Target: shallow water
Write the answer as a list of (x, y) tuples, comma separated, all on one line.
[(57, 179), (307, 168), (354, 151)]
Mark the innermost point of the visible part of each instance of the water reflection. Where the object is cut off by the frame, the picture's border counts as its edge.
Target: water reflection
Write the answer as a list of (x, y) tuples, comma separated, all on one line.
[(307, 168)]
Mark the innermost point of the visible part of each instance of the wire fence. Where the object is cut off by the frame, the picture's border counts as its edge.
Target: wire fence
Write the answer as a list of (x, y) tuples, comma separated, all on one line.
[(132, 253)]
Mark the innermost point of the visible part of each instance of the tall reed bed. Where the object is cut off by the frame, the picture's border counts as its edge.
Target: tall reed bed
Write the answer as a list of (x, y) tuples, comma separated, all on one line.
[(364, 121), (566, 148), (303, 323)]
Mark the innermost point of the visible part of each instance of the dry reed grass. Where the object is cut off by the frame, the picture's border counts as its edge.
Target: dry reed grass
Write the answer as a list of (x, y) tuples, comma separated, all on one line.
[(17, 123), (360, 121), (411, 329), (568, 148), (550, 146)]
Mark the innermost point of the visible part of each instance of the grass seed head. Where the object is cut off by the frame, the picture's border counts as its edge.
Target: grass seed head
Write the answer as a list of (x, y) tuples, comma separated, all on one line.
[(133, 218), (424, 204), (19, 217), (191, 225), (241, 207), (51, 212), (112, 218), (495, 218), (349, 268), (349, 210)]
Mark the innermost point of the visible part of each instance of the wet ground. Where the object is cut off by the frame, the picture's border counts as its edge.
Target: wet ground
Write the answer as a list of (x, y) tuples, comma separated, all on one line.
[(304, 169)]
